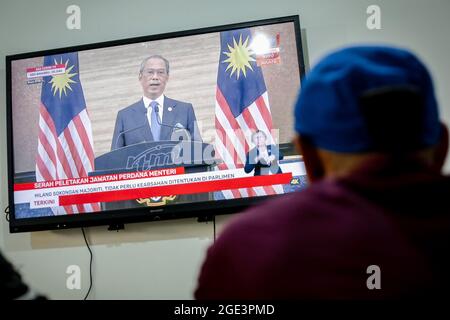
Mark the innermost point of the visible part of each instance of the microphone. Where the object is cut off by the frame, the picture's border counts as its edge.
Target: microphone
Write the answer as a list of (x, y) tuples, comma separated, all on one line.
[(177, 126), (129, 130)]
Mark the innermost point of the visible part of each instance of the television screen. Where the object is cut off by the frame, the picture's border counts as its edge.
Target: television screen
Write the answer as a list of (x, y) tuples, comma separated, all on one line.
[(185, 124)]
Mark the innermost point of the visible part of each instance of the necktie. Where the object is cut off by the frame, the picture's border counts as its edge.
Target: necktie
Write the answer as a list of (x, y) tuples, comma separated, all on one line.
[(155, 125)]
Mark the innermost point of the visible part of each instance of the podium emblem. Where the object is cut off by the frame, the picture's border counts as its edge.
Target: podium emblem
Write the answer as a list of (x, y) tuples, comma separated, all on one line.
[(156, 201)]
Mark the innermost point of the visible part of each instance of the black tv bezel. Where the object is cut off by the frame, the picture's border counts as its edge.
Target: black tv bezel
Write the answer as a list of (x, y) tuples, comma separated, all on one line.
[(117, 218)]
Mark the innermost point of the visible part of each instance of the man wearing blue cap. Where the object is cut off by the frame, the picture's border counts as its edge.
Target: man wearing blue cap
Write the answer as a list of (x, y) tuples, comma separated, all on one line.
[(375, 221)]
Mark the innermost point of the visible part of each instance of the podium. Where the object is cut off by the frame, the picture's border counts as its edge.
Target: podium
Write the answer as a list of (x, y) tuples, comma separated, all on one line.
[(194, 156)]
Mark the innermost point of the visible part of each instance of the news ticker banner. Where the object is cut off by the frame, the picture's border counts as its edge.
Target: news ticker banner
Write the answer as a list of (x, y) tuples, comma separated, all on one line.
[(142, 184)]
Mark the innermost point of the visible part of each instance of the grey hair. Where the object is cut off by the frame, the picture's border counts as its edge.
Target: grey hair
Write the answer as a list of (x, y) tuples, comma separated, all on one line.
[(256, 132), (155, 56)]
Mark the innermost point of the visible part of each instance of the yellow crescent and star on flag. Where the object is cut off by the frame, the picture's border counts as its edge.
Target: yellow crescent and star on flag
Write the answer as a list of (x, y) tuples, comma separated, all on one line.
[(239, 57), (61, 82)]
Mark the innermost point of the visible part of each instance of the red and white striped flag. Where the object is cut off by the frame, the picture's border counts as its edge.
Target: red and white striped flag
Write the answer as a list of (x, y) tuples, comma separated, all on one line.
[(242, 107), (65, 145)]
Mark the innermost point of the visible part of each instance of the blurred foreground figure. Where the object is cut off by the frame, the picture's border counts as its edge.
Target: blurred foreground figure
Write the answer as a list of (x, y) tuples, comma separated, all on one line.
[(11, 284), (375, 221)]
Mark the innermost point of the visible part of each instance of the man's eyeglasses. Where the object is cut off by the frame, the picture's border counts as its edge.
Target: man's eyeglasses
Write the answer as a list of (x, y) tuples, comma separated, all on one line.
[(150, 72)]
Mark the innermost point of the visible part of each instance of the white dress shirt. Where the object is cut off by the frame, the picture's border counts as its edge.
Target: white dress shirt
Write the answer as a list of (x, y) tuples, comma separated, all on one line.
[(160, 101)]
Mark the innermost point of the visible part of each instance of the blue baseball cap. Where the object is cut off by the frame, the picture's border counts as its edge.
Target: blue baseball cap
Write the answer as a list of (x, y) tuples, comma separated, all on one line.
[(329, 110)]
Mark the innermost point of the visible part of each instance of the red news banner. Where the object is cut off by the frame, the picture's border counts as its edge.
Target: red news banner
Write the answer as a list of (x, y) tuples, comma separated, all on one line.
[(133, 185)]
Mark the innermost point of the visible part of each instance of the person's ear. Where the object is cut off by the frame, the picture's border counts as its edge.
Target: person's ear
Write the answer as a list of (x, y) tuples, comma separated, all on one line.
[(441, 149), (313, 164)]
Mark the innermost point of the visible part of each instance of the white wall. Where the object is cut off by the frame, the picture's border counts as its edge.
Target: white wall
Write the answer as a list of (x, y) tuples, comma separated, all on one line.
[(161, 260)]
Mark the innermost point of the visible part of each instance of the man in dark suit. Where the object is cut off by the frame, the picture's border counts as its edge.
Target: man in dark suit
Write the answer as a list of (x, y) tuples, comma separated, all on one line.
[(155, 117)]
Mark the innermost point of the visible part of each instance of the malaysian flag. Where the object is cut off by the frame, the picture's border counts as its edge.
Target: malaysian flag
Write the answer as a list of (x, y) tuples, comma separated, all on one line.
[(242, 107), (65, 146)]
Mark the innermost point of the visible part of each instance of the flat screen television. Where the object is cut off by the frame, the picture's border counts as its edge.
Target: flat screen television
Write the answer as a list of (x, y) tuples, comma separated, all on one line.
[(185, 124)]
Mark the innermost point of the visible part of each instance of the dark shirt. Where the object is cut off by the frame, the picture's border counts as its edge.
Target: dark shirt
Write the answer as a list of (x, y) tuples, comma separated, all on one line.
[(318, 243)]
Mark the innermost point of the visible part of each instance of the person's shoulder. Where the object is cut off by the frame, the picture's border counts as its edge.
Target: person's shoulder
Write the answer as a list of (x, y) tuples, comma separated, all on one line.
[(177, 103), (132, 107), (307, 209)]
